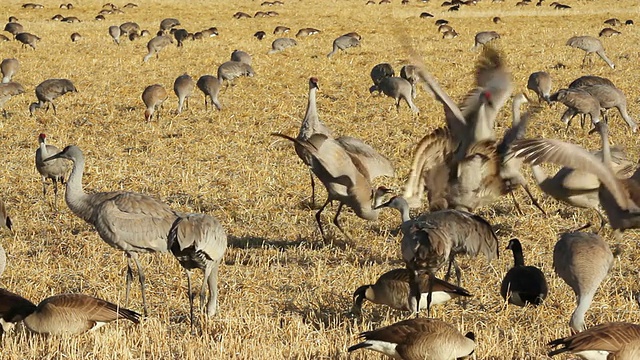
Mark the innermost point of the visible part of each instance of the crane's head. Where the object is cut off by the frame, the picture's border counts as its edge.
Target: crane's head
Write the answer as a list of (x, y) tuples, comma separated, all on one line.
[(313, 83), (42, 138)]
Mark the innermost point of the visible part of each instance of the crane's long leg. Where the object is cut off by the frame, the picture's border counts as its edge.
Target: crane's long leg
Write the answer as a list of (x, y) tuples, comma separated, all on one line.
[(318, 214), (54, 108), (190, 294), (533, 199), (212, 281), (515, 203), (335, 221), (313, 188), (603, 221), (205, 102), (55, 193), (141, 278)]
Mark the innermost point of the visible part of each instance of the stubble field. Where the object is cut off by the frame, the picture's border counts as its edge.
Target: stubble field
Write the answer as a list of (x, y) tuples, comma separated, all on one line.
[(284, 292)]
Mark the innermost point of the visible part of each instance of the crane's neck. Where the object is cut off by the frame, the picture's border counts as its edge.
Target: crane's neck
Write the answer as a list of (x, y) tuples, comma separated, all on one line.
[(606, 148), (311, 123), (77, 199), (577, 318)]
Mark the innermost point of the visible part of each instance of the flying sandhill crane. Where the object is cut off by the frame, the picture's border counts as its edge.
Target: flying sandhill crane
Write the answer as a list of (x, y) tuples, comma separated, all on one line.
[(580, 188), (378, 73), (56, 170), (183, 87), (210, 87), (281, 43), (620, 198), (398, 89), (344, 42), (28, 39), (8, 90), (68, 314), (417, 339), (199, 241), (128, 221), (433, 239), (48, 91), (153, 96), (168, 24), (612, 341), (129, 28), (114, 32), (522, 284), (75, 37), (577, 102), (392, 289), (241, 56), (410, 73), (610, 97), (234, 69), (582, 260), (540, 83), (484, 37), (9, 67), (589, 45), (156, 44)]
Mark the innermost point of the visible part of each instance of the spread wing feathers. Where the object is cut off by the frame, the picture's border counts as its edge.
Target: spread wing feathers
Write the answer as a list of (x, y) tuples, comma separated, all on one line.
[(517, 131), (200, 235), (375, 164), (537, 151), (604, 337), (83, 308)]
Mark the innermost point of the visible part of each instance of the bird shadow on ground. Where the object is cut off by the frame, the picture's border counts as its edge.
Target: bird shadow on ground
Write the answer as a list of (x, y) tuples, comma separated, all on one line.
[(332, 314), (253, 242)]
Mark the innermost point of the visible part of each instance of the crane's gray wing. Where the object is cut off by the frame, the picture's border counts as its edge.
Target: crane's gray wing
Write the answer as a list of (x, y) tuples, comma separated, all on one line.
[(376, 164), (202, 232), (479, 236), (517, 131)]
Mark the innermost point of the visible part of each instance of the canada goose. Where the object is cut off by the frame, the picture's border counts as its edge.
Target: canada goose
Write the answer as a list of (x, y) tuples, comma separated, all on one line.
[(260, 35), (128, 28), (9, 68), (582, 260), (180, 35), (613, 22), (605, 341), (392, 289), (56, 170), (589, 45), (61, 314), (497, 20), (608, 32), (153, 96), (344, 42), (49, 90), (588, 80), (281, 30), (425, 15), (210, 87), (155, 45), (378, 73), (75, 37), (7, 91), (540, 83), (522, 284), (169, 23), (398, 89), (183, 87), (441, 22), (450, 35), (418, 339), (281, 43), (629, 22), (610, 97)]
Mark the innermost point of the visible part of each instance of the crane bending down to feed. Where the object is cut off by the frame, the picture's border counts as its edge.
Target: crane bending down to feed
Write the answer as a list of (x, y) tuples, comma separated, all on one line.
[(589, 45), (48, 91)]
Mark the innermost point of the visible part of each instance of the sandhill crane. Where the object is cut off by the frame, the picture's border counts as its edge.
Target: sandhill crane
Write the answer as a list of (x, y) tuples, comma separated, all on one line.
[(582, 260), (344, 42), (234, 69), (210, 86), (32, 6), (153, 96), (281, 43), (183, 87), (398, 89), (3, 261), (425, 15), (69, 314), (129, 28), (417, 339), (14, 28), (484, 37), (130, 6), (199, 241), (56, 170), (610, 97), (590, 45), (241, 56), (9, 67), (577, 101), (608, 32), (434, 239), (28, 39), (259, 35), (410, 73), (8, 90), (522, 284), (304, 32), (588, 80), (605, 341), (281, 30), (580, 188), (48, 91), (169, 23), (618, 197), (128, 221), (156, 44), (392, 289), (378, 73), (540, 83), (12, 19)]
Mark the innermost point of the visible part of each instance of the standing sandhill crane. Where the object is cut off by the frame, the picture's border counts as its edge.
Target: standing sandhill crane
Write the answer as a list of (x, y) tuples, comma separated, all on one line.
[(522, 284), (620, 198), (433, 239), (234, 69), (280, 44), (613, 22), (75, 37), (129, 28), (398, 89), (378, 73), (7, 91), (183, 87), (392, 289), (169, 23), (241, 56), (210, 86), (577, 101), (28, 39), (9, 67), (48, 91), (582, 260), (590, 45), (156, 44), (55, 170), (540, 83), (68, 314), (344, 42), (580, 188), (588, 80), (610, 97), (417, 339), (612, 341), (484, 37), (153, 96), (199, 241), (410, 73), (128, 221)]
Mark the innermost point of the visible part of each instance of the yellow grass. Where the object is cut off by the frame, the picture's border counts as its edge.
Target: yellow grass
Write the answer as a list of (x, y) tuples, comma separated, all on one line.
[(283, 291)]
